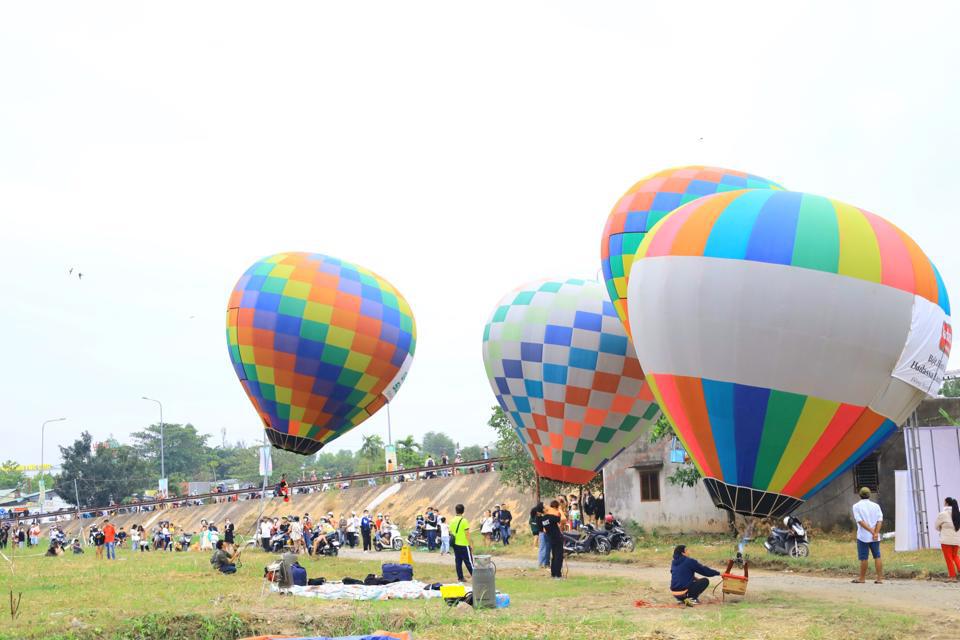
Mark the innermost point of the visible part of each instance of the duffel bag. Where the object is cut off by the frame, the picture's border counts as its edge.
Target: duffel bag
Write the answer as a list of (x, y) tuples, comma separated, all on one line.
[(397, 572)]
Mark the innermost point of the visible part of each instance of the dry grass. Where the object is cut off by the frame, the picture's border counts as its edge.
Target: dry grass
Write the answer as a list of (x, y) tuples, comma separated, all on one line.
[(173, 596)]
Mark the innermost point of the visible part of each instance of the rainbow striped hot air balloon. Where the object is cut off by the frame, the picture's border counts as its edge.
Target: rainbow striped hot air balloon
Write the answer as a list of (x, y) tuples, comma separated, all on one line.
[(645, 203), (565, 372), (319, 345), (786, 336)]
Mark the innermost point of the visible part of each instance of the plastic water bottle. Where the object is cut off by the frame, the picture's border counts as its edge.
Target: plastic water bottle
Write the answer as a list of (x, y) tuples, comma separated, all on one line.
[(503, 600)]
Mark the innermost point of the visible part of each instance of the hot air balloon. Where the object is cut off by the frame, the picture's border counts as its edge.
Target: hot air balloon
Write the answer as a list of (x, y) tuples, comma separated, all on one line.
[(565, 372), (645, 203), (319, 345), (785, 336)]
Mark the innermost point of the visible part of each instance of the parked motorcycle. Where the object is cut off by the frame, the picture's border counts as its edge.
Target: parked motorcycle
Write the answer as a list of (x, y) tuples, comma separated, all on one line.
[(618, 536), (789, 541), (389, 539), (417, 538), (588, 540)]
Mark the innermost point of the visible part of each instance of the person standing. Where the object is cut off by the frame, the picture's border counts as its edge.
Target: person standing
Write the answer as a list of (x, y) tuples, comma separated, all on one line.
[(444, 537), (98, 540), (505, 518), (342, 531), (353, 524), (431, 527), (265, 533), (110, 539), (550, 523), (869, 519), (536, 528), (228, 532), (365, 525), (462, 549), (948, 526)]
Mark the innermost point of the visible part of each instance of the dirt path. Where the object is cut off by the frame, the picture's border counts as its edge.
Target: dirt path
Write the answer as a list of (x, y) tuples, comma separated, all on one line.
[(917, 597)]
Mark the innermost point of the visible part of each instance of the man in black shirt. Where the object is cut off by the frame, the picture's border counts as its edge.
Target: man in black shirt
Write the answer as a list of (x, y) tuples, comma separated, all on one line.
[(550, 523)]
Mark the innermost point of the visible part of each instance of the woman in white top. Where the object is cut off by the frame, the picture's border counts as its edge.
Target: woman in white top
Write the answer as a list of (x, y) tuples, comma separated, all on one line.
[(948, 526), (486, 529)]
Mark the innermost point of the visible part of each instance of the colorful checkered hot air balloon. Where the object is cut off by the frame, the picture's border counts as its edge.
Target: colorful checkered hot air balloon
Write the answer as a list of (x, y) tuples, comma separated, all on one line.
[(786, 336), (645, 203), (565, 372), (319, 345)]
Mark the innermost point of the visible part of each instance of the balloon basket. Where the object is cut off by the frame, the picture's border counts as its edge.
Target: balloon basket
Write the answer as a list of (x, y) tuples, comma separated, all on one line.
[(734, 584)]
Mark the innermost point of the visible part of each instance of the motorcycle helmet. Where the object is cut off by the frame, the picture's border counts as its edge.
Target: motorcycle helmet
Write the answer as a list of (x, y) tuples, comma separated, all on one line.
[(609, 518)]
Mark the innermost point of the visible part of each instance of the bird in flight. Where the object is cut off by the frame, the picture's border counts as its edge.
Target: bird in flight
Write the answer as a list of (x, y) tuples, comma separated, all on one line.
[(70, 272), (80, 275)]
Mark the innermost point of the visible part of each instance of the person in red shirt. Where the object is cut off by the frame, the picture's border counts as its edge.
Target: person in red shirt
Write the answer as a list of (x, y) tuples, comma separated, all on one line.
[(110, 540)]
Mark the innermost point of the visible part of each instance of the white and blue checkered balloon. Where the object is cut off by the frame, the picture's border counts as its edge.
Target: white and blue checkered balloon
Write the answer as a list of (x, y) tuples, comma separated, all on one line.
[(564, 370)]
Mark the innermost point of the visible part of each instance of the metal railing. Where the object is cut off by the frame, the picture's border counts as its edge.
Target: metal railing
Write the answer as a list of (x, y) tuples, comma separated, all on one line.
[(253, 492)]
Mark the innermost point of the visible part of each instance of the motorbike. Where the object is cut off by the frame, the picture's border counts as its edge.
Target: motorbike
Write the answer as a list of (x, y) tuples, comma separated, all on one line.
[(618, 536), (332, 548), (417, 538), (789, 541), (588, 540), (389, 538)]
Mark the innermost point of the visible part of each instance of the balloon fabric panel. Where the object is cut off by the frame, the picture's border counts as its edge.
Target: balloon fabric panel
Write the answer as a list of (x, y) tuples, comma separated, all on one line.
[(315, 342), (774, 329), (565, 373), (800, 230), (645, 204)]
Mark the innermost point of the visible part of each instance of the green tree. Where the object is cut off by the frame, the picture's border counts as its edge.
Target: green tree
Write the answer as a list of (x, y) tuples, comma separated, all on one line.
[(370, 457), (951, 388), (687, 475), (103, 474), (10, 476), (408, 453), (185, 451), (341, 462), (473, 452), (435, 444)]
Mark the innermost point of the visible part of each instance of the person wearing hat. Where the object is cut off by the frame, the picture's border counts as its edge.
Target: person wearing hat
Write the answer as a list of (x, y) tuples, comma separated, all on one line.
[(869, 519)]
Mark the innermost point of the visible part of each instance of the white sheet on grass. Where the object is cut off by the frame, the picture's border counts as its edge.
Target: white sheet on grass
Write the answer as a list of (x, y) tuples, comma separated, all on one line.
[(408, 590)]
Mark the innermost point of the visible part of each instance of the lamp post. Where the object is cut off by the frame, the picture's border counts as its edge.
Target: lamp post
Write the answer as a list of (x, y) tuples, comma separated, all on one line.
[(163, 471), (43, 485)]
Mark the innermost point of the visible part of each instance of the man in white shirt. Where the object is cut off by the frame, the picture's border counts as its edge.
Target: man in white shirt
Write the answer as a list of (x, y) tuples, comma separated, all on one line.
[(265, 533), (869, 519)]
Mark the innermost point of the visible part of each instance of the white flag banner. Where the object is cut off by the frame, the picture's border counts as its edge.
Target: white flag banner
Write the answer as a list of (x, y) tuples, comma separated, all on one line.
[(394, 386), (924, 358), (266, 461)]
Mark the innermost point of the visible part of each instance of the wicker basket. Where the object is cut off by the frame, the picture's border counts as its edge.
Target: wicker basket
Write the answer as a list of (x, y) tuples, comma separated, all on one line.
[(734, 584)]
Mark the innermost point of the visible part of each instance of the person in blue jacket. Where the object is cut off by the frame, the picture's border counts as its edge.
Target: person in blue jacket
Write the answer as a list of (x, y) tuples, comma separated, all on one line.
[(684, 583)]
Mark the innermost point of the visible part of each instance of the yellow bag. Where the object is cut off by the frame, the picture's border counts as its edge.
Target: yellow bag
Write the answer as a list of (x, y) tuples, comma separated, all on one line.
[(406, 556)]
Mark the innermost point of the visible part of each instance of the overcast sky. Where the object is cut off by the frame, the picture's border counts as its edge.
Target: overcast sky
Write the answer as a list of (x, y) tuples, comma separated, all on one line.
[(458, 150)]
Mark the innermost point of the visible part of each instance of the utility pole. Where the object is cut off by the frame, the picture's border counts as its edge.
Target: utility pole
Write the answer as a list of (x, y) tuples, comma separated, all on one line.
[(43, 485), (76, 492), (163, 471)]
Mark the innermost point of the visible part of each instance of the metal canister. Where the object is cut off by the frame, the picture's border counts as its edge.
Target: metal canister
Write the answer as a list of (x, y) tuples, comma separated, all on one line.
[(484, 583)]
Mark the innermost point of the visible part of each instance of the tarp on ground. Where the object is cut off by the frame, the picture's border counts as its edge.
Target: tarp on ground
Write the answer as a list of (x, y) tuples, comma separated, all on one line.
[(406, 590)]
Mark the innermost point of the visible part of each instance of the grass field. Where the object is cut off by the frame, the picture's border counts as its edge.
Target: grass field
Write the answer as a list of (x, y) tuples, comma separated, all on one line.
[(177, 596)]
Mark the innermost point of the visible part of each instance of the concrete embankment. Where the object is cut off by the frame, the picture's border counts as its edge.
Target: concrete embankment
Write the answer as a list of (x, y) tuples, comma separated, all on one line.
[(402, 500)]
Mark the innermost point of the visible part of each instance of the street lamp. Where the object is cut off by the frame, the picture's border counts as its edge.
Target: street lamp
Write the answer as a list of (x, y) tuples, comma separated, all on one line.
[(163, 473), (43, 486)]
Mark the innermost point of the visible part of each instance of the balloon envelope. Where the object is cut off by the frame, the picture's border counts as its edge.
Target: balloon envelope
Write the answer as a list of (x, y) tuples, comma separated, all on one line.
[(565, 372), (645, 203), (786, 336), (319, 345)]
